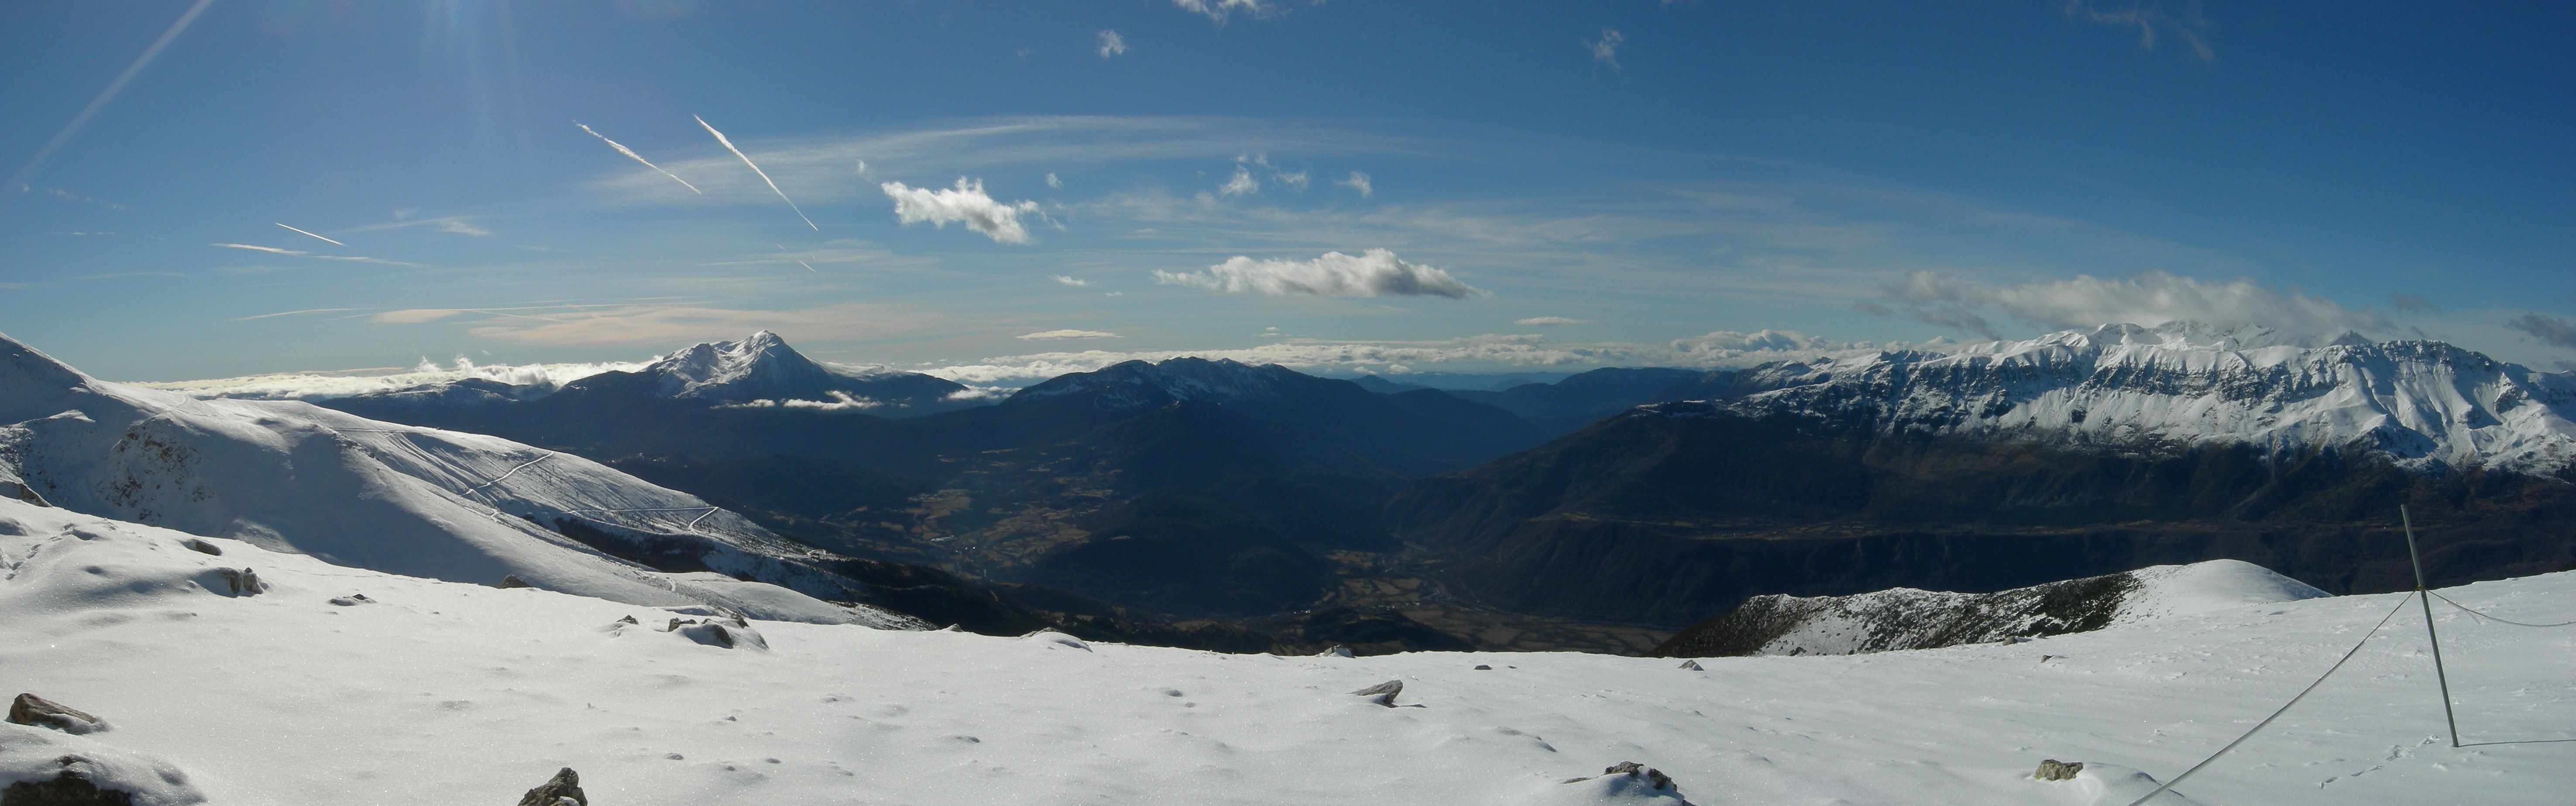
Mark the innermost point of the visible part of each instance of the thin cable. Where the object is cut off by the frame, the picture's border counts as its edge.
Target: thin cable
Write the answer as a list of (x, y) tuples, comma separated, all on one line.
[(2285, 707), (2474, 612)]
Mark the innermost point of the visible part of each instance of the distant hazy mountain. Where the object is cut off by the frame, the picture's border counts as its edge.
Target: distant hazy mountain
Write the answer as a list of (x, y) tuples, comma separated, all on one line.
[(1583, 399), (1015, 491)]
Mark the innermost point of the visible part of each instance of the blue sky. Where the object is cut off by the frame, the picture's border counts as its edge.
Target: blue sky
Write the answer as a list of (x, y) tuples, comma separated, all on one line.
[(1547, 184)]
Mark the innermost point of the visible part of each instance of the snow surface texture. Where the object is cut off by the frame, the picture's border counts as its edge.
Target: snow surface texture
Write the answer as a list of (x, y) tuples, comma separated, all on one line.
[(2425, 404), (442, 693), (1908, 618), (290, 476)]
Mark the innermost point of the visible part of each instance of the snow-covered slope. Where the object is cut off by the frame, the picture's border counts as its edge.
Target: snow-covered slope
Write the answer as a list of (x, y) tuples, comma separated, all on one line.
[(2425, 404), (290, 476), (1906, 618), (440, 693)]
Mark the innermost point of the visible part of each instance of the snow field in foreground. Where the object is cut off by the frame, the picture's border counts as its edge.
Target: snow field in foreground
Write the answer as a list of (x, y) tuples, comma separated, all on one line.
[(449, 694)]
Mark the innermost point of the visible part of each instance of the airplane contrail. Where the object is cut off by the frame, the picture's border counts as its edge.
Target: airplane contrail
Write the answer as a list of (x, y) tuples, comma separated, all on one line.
[(185, 18), (334, 243), (755, 168), (622, 149), (799, 261)]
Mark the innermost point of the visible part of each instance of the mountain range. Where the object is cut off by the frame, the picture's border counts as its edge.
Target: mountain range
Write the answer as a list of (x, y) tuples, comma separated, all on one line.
[(1636, 499)]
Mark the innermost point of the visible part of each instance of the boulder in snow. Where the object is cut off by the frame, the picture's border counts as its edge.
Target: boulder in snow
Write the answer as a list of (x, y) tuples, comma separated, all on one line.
[(512, 581), (1629, 779), (43, 768), (30, 709), (241, 582), (202, 547), (564, 788), (2055, 770), (1382, 693), (1338, 651), (1693, 666)]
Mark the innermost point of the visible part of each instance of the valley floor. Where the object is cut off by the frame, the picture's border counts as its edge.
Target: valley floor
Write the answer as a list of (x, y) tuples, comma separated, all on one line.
[(453, 694)]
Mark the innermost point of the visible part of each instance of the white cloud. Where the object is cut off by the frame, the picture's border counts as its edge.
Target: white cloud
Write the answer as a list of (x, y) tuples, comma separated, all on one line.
[(2148, 299), (1297, 180), (1054, 182), (965, 203), (1720, 349), (1548, 321), (308, 385), (413, 316), (1070, 334), (1076, 282), (305, 254), (841, 401), (1359, 182), (861, 168), (1606, 49), (2191, 27), (1241, 184), (1375, 273), (1111, 44), (1219, 9)]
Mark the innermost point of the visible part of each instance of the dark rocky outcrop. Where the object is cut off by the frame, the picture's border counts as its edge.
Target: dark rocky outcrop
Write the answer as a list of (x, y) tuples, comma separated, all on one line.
[(564, 788), (1907, 619), (69, 789)]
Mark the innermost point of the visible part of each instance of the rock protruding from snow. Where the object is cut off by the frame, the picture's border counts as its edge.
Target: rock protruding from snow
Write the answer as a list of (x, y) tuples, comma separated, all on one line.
[(2055, 770), (44, 768), (242, 581), (1629, 780), (1906, 618), (29, 709), (1382, 693), (2424, 404), (564, 788)]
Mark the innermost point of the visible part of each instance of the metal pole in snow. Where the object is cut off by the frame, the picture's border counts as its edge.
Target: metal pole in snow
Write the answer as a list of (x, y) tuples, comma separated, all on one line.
[(2427, 600)]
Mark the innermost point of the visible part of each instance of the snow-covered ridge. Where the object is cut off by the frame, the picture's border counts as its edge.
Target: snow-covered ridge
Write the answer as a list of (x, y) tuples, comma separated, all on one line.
[(1907, 618), (290, 476), (2424, 404)]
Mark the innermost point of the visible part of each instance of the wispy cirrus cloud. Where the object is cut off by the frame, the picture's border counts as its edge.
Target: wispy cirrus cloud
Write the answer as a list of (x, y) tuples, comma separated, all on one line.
[(453, 225), (2150, 20), (1068, 334), (311, 256), (1605, 48), (1549, 321), (1359, 182), (1374, 273), (2549, 330), (1219, 10), (2150, 299)]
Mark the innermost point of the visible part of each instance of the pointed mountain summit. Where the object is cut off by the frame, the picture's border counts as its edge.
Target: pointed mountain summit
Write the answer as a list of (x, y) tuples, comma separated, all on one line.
[(763, 367)]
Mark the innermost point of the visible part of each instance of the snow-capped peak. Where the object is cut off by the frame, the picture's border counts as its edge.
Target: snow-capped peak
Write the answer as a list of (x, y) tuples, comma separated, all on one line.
[(2425, 404)]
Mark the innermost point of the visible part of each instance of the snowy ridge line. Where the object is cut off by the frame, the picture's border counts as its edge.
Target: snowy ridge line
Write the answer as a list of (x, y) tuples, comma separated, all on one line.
[(2475, 612), (2285, 707)]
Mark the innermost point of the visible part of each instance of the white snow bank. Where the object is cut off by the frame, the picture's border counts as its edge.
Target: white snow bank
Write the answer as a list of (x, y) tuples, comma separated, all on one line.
[(2183, 590), (444, 693)]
